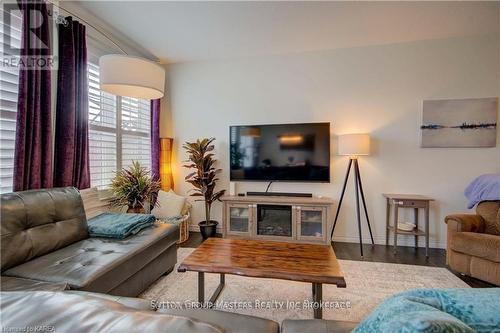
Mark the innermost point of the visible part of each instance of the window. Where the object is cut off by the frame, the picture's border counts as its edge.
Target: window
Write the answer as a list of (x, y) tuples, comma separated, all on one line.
[(119, 131), (136, 130), (9, 77)]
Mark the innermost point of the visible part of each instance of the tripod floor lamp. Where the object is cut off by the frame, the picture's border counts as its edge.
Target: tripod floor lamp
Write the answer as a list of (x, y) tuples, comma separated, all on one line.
[(354, 145)]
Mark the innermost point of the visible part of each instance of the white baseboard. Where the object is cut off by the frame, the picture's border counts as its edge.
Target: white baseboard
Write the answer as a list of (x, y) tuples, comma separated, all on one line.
[(403, 240)]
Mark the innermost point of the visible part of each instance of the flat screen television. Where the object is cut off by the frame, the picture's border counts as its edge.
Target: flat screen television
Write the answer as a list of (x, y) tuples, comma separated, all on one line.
[(286, 152)]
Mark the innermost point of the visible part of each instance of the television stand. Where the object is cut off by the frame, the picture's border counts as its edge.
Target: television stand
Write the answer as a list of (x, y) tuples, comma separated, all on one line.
[(279, 218), (280, 194)]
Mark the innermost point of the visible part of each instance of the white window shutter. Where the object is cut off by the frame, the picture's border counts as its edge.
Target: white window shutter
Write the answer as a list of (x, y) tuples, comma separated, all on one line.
[(9, 84), (119, 131), (136, 129)]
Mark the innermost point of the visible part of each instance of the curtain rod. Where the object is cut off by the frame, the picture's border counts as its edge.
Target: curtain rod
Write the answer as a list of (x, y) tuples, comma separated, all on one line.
[(87, 23)]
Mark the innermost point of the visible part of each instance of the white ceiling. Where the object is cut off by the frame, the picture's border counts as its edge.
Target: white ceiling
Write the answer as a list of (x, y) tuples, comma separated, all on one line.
[(198, 31)]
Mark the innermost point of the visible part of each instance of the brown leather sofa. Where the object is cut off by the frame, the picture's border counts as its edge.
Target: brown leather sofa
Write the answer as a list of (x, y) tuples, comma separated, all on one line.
[(474, 242), (77, 312), (64, 311), (45, 245)]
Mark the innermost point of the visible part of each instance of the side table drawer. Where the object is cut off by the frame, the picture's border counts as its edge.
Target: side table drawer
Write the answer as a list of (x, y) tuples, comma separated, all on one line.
[(410, 203)]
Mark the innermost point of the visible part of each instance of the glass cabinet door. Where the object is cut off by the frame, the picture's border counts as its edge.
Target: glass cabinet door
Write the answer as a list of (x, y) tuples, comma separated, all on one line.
[(239, 219), (311, 223)]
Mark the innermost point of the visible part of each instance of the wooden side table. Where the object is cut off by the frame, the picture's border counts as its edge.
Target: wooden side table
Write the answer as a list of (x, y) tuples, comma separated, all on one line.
[(415, 201)]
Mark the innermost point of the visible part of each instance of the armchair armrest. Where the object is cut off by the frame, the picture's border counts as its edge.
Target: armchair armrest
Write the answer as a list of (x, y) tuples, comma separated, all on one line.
[(465, 223)]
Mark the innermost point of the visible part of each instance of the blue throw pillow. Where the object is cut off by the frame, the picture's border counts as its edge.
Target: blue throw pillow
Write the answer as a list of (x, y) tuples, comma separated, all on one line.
[(436, 310)]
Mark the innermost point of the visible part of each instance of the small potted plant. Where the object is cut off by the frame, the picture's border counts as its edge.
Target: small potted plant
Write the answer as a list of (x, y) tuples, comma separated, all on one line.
[(135, 188), (204, 179)]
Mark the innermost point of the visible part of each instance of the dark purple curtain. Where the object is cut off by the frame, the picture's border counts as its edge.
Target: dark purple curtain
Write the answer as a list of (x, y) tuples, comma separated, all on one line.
[(155, 138), (33, 151), (71, 156)]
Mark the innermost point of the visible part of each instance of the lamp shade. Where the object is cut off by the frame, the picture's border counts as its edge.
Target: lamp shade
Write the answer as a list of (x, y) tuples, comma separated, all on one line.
[(354, 144), (130, 76), (166, 178)]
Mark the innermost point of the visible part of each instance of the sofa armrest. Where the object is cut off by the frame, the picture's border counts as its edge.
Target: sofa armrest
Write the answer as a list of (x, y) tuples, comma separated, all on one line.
[(317, 326), (465, 223), (10, 283), (130, 302)]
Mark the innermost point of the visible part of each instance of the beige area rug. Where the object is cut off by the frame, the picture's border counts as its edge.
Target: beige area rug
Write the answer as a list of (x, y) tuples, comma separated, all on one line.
[(368, 283)]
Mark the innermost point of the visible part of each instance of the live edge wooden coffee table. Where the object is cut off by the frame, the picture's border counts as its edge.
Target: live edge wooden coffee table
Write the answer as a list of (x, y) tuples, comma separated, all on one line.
[(311, 263)]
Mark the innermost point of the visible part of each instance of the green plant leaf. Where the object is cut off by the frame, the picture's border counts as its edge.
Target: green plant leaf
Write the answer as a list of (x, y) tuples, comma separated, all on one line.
[(204, 180), (133, 186)]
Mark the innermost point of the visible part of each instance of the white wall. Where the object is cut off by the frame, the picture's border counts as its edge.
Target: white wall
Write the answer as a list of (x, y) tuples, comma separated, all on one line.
[(376, 89)]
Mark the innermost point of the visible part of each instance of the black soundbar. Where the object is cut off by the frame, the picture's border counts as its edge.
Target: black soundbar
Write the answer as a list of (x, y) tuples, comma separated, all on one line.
[(280, 194)]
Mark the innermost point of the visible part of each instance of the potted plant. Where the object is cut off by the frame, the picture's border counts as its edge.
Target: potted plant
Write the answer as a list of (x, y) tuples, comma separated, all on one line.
[(204, 179), (134, 187)]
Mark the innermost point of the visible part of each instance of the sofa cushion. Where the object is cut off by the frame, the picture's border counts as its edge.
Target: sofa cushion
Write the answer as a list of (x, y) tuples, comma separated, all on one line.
[(478, 245), (16, 284), (100, 264), (317, 326), (130, 302), (65, 312), (229, 322), (147, 275), (37, 222), (490, 212)]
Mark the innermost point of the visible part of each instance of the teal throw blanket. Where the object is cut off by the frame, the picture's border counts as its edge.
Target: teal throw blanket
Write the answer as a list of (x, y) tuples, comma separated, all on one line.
[(436, 310), (114, 225)]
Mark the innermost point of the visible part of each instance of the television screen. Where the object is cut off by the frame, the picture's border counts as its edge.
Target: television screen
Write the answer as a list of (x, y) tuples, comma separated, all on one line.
[(288, 152)]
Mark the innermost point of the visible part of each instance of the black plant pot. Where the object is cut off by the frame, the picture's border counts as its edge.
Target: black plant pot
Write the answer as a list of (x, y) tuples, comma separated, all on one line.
[(208, 229)]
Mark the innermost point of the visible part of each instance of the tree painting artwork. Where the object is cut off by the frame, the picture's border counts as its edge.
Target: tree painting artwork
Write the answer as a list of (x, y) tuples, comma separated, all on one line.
[(459, 123)]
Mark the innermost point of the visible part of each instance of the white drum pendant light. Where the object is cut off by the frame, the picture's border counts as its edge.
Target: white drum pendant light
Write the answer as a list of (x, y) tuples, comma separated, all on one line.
[(130, 76)]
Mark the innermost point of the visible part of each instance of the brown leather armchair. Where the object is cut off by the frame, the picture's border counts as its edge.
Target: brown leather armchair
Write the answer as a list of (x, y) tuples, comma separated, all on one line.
[(473, 245)]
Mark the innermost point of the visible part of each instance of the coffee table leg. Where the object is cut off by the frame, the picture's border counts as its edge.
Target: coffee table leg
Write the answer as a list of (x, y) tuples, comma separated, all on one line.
[(201, 289), (217, 291), (317, 299)]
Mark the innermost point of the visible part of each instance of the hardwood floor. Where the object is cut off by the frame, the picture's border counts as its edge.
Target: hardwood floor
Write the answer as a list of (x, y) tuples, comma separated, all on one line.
[(380, 253), (194, 240)]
